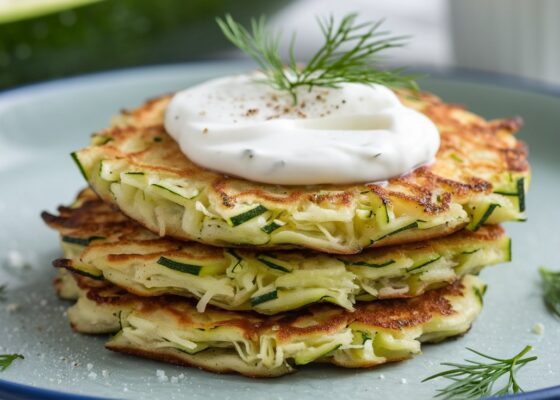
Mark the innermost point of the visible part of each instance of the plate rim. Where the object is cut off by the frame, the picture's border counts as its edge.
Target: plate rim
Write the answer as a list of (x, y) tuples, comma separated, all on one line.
[(463, 74), (17, 391)]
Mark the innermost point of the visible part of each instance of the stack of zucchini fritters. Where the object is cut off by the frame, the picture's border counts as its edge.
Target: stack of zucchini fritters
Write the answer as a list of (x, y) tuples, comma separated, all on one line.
[(193, 267)]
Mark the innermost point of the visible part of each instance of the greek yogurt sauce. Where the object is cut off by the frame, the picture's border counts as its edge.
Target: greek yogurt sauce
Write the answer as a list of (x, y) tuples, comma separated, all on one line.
[(241, 127)]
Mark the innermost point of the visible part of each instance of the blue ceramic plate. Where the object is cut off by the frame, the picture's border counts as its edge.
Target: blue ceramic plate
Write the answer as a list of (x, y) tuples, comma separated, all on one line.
[(41, 124)]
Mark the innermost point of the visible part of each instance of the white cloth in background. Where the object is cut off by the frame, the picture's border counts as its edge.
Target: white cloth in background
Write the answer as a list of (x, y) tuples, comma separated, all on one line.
[(517, 37), (425, 20)]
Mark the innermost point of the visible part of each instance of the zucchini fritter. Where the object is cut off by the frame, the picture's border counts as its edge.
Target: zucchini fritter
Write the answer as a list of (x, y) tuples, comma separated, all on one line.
[(170, 329), (479, 177), (102, 243)]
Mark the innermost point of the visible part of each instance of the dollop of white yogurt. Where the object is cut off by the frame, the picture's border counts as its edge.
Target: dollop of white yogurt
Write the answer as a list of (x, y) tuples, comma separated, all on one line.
[(242, 127)]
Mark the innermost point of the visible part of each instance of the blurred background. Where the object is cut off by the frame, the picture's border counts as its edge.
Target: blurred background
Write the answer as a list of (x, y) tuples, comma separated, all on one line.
[(46, 39)]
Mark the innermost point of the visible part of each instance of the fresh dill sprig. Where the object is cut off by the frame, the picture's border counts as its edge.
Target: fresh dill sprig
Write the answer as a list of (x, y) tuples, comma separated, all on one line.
[(551, 288), (7, 359), (349, 55), (476, 379)]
